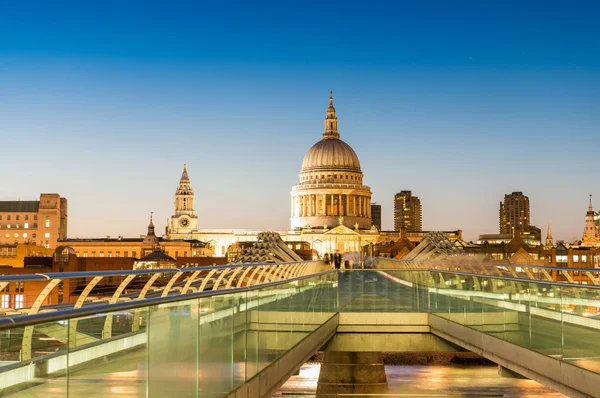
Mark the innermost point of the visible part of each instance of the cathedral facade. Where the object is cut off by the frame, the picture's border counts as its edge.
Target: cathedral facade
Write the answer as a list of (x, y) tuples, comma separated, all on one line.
[(331, 190), (330, 207)]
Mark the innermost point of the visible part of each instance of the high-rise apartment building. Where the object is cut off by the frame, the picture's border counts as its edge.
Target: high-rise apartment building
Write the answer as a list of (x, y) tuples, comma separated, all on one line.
[(407, 212), (514, 213), (376, 215)]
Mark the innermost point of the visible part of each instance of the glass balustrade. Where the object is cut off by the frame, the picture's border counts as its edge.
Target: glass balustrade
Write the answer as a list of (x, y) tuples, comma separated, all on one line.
[(197, 347), (208, 344)]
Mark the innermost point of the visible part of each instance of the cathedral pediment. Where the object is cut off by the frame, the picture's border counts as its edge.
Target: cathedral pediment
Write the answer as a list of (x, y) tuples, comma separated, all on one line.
[(341, 230)]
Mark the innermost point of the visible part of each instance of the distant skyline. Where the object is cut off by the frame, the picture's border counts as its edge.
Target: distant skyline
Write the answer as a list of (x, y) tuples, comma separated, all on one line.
[(459, 102)]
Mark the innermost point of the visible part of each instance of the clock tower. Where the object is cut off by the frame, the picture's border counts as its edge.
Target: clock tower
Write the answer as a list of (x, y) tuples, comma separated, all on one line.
[(184, 220)]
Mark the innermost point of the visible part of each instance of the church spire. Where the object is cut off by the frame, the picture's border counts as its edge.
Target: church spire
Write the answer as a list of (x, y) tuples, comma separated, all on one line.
[(549, 240), (591, 235), (331, 123), (150, 238), (151, 225), (184, 175)]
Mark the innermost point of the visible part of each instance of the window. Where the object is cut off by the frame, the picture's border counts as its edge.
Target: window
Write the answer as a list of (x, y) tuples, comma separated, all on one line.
[(34, 236), (25, 235), (17, 217), (84, 254), (109, 254), (133, 254), (583, 258), (19, 301), (26, 225), (561, 258), (101, 254), (26, 217), (8, 218), (176, 253), (18, 225), (47, 223), (6, 301), (125, 254), (8, 226), (35, 217), (20, 286), (575, 258), (118, 254), (47, 235)]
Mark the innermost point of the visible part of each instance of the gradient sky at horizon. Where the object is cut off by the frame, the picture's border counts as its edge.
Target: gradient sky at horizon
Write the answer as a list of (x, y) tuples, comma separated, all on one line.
[(458, 101)]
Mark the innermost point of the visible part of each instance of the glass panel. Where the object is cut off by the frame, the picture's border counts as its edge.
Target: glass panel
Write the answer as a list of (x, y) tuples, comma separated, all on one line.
[(111, 348), (46, 346), (581, 322), (217, 372), (172, 349)]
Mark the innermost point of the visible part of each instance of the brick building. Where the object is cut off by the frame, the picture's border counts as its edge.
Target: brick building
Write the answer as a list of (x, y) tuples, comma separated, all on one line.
[(40, 222)]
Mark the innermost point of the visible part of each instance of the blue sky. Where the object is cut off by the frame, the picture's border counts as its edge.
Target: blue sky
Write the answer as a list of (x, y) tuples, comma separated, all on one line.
[(461, 102)]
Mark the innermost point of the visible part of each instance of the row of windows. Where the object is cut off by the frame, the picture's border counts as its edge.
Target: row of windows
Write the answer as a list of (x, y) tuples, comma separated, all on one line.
[(101, 253), (26, 235), (25, 226), (110, 254), (18, 216), (335, 176), (564, 258)]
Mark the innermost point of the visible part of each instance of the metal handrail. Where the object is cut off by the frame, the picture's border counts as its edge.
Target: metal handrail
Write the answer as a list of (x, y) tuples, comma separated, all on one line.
[(546, 267), (10, 322), (88, 274), (502, 277)]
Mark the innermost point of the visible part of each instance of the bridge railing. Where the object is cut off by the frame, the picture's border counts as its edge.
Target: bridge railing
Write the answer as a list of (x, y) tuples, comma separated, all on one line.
[(31, 293), (581, 275), (560, 320), (199, 344)]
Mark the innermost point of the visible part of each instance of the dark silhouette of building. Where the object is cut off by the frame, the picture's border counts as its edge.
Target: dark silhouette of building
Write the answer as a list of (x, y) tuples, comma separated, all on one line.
[(376, 215)]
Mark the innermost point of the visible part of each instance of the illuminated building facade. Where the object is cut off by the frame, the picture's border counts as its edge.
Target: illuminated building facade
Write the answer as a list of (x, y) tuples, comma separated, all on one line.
[(407, 212), (39, 222), (514, 213), (330, 207)]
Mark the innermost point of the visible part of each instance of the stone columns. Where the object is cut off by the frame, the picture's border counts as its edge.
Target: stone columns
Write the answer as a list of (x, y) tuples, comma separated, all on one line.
[(340, 205), (332, 208), (360, 206), (346, 207)]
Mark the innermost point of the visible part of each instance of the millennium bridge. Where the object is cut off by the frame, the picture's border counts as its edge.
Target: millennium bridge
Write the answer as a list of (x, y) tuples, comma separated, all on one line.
[(242, 330)]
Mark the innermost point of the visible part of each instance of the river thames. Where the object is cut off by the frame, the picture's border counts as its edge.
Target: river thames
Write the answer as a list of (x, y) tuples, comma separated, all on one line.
[(431, 381)]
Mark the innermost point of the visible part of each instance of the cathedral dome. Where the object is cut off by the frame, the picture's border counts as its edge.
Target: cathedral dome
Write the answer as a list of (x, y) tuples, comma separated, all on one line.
[(331, 154)]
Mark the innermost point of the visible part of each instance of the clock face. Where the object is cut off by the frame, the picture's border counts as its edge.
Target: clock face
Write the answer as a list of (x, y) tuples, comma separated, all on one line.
[(184, 222)]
